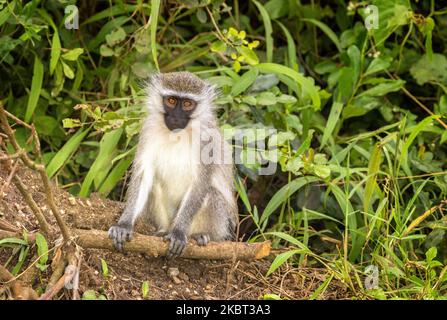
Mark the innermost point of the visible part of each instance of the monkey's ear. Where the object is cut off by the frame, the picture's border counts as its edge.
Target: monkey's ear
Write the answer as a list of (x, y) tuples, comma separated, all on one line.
[(211, 91), (155, 78), (154, 83)]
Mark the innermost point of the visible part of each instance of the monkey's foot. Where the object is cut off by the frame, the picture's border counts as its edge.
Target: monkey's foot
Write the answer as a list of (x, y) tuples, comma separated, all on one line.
[(119, 236), (202, 239), (177, 243)]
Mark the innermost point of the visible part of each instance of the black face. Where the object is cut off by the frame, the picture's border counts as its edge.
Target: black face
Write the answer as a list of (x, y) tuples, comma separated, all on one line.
[(178, 111)]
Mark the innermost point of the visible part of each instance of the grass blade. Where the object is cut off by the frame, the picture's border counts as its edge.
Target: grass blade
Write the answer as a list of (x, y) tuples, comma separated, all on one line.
[(373, 169), (332, 121), (65, 152), (155, 8), (306, 84), (291, 48), (328, 31), (245, 81), (36, 87), (268, 30)]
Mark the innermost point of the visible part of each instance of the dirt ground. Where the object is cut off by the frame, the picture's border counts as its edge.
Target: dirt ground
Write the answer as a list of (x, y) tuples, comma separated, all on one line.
[(174, 279)]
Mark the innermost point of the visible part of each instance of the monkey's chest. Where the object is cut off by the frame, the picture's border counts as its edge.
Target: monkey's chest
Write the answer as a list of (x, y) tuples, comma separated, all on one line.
[(175, 173)]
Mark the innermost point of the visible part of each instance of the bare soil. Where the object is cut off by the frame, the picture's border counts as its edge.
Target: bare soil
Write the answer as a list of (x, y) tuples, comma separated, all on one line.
[(167, 279)]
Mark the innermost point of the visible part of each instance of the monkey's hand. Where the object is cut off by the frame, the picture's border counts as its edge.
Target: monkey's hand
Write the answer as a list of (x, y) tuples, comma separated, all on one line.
[(119, 235), (177, 243)]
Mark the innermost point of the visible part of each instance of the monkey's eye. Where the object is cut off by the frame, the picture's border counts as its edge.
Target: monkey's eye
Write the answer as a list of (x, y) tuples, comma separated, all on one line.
[(171, 102), (188, 104)]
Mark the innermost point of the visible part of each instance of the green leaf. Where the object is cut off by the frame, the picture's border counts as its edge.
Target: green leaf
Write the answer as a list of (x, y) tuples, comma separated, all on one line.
[(71, 123), (115, 176), (285, 98), (427, 70), (67, 71), (328, 31), (104, 268), (145, 289), (431, 254), (377, 65), (89, 295), (249, 55), (36, 87), (218, 46), (280, 259), (291, 48), (13, 241), (277, 8), (383, 88), (392, 15), (45, 125), (42, 248), (98, 169), (73, 55), (306, 84), (6, 12), (322, 171), (332, 121), (55, 51), (266, 98), (105, 51), (201, 15), (284, 193), (414, 133), (244, 82), (271, 296), (115, 37), (65, 152), (346, 84)]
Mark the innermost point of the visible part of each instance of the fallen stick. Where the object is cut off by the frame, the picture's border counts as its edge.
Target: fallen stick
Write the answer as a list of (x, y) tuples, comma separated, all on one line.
[(18, 289), (31, 238), (156, 247)]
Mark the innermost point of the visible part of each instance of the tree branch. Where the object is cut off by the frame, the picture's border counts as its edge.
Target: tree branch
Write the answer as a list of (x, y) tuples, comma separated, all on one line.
[(156, 247)]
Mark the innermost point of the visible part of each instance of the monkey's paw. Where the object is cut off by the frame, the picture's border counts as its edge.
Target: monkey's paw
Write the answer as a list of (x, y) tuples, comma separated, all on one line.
[(177, 243), (202, 239), (119, 236)]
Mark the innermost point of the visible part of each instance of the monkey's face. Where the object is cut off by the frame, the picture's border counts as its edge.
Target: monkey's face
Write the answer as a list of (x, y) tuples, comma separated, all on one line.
[(177, 111)]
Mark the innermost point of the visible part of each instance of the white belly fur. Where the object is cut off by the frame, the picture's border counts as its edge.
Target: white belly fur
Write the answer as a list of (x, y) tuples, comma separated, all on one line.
[(174, 173)]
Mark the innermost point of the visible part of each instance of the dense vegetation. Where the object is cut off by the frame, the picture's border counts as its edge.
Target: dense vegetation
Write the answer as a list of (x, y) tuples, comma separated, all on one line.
[(360, 114)]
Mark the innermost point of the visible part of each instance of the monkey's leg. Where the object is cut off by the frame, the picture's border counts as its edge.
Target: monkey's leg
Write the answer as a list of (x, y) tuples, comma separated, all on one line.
[(216, 221), (137, 197)]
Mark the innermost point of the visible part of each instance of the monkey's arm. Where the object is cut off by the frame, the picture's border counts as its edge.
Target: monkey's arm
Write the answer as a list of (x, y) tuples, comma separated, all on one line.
[(137, 195), (191, 204)]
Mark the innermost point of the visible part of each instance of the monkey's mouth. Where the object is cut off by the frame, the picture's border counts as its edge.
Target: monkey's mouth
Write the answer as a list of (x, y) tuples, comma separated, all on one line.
[(175, 123)]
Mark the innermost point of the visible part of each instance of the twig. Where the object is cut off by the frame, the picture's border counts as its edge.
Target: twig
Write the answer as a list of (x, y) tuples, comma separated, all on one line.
[(43, 224), (19, 290), (422, 217), (5, 225), (35, 166), (52, 291)]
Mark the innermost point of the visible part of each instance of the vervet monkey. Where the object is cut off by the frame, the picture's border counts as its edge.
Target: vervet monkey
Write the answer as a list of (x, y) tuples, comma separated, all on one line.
[(182, 181)]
